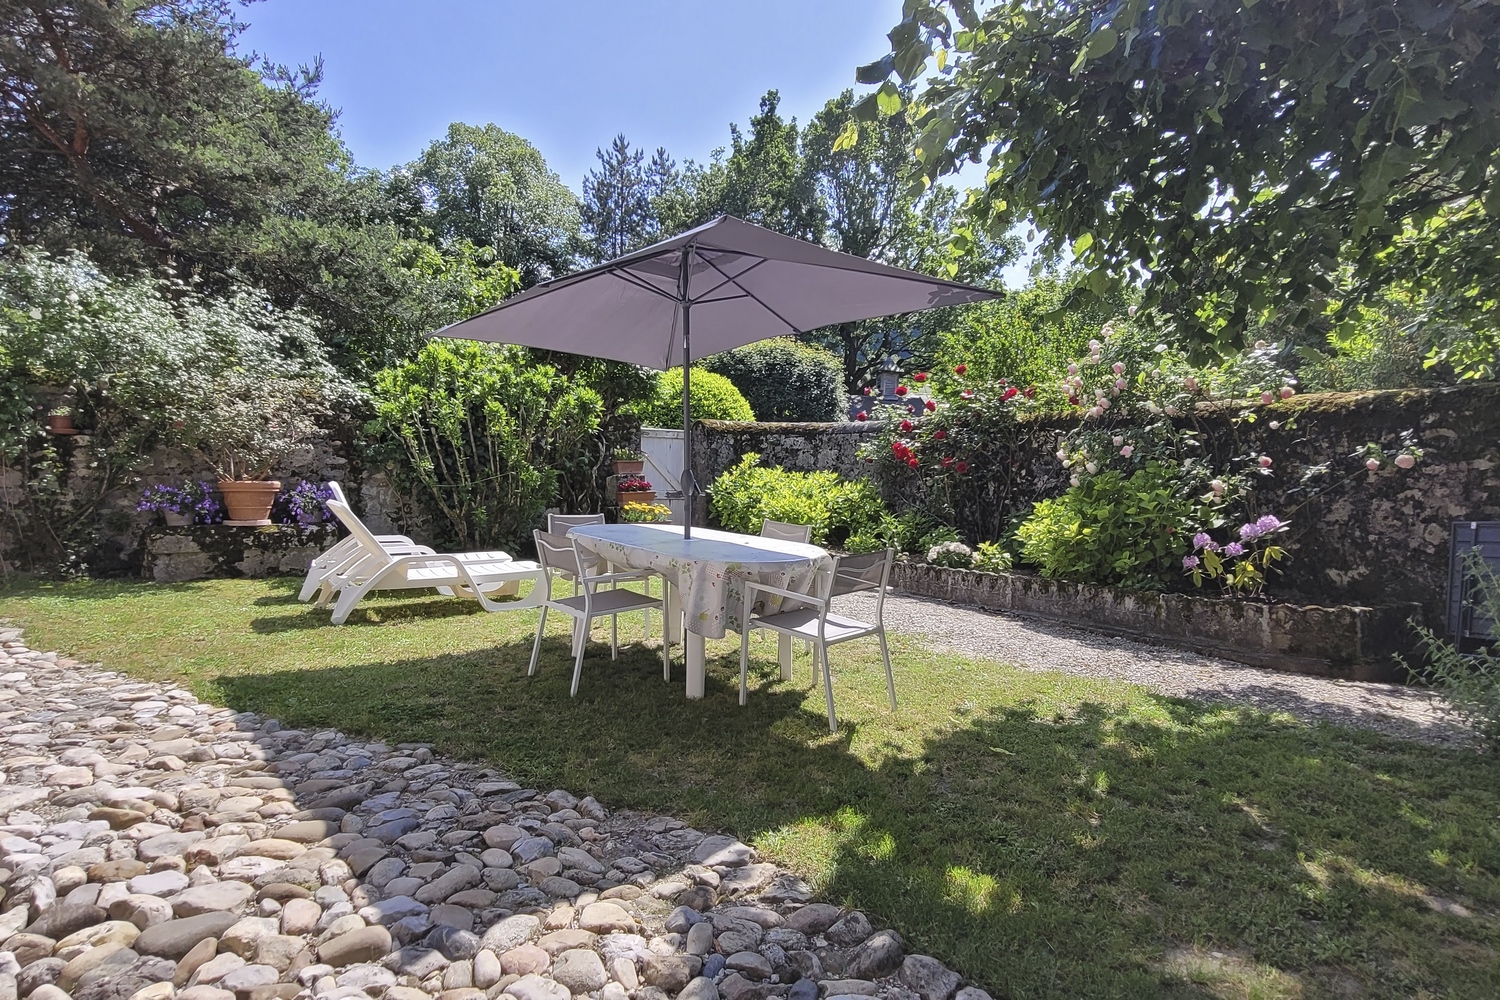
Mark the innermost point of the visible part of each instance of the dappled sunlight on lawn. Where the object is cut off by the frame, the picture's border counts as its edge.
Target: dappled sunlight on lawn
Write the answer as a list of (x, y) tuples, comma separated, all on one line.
[(1048, 835)]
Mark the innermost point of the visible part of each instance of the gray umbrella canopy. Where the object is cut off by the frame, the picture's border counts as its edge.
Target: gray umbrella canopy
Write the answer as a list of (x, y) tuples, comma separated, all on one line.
[(720, 286)]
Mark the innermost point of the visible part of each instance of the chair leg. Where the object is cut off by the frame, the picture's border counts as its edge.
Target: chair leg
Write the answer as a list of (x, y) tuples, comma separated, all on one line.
[(614, 637), (666, 659), (833, 722), (536, 647), (744, 660), (890, 680), (578, 663)]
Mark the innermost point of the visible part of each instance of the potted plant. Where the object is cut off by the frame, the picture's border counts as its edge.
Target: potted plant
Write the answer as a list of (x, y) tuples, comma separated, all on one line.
[(60, 421), (183, 505), (645, 513), (305, 504), (629, 462), (635, 490), (243, 424)]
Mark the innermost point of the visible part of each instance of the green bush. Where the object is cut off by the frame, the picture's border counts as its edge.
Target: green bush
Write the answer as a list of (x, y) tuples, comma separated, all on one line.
[(137, 361), (1114, 529), (749, 493), (785, 379), (714, 398), (991, 557), (475, 435)]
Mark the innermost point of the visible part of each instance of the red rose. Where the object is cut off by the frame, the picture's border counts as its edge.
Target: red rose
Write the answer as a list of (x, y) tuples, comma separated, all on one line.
[(905, 425), (867, 390), (939, 435), (1074, 400), (900, 390), (966, 394), (861, 416), (961, 467), (897, 447), (912, 462), (947, 461), (931, 406), (960, 369), (920, 376), (1029, 392), (1011, 392)]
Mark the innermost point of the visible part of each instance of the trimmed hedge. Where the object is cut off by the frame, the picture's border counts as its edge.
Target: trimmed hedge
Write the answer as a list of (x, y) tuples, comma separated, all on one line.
[(714, 398), (785, 379)]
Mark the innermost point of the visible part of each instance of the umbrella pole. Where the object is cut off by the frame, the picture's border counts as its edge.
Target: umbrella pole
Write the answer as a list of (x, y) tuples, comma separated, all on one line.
[(685, 301)]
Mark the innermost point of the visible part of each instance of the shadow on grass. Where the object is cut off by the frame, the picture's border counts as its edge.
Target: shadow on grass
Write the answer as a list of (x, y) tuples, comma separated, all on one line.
[(1044, 854)]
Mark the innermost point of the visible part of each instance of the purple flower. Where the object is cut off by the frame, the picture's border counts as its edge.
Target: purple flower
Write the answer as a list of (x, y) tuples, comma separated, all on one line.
[(1250, 532), (1234, 549), (1269, 523), (1202, 540), (1189, 562)]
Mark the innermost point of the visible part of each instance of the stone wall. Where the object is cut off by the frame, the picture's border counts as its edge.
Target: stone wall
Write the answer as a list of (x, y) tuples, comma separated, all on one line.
[(1357, 537), (1347, 642), (122, 530)]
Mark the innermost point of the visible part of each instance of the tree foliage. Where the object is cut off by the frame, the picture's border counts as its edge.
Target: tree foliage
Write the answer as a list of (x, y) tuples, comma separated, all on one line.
[(1231, 157), (492, 188)]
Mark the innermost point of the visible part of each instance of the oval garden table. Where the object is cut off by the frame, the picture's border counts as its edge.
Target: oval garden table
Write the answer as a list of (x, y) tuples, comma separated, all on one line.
[(706, 575)]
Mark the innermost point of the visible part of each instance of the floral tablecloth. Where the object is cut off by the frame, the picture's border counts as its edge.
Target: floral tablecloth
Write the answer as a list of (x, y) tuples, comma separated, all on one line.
[(710, 569)]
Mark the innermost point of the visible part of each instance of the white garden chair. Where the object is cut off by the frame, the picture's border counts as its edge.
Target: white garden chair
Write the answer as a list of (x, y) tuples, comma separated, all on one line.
[(560, 557), (561, 524), (478, 576), (323, 565), (785, 532), (813, 618)]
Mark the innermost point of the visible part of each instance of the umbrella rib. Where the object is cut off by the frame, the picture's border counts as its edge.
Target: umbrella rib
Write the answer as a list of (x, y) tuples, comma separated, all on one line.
[(727, 278), (641, 283), (733, 281)]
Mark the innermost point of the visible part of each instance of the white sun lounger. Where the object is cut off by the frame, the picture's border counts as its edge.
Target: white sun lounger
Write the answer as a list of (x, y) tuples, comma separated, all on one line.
[(324, 565), (479, 576)]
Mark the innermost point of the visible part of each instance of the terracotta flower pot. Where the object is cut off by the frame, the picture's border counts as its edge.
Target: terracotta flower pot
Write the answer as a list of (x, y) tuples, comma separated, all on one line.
[(61, 423), (249, 501), (637, 496), (630, 467)]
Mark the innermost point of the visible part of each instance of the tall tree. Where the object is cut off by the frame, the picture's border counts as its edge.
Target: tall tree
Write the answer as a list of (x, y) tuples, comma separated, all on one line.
[(616, 205), (861, 184), (492, 188), (1232, 157), (135, 130)]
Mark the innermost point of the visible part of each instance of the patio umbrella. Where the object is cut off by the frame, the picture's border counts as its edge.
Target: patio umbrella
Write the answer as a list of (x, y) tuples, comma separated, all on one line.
[(722, 285)]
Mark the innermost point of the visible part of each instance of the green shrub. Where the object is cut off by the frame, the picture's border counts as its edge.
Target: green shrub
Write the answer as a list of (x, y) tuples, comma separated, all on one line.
[(714, 398), (1114, 529), (749, 493), (785, 379), (137, 361), (475, 435), (991, 557), (1470, 683)]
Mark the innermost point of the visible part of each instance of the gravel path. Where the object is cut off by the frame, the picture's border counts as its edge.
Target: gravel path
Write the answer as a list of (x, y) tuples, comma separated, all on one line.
[(1032, 644)]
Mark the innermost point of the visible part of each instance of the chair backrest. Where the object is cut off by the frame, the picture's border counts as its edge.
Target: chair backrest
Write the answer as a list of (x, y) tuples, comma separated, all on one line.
[(557, 554), (356, 528), (338, 492), (558, 524), (870, 571), (782, 531)]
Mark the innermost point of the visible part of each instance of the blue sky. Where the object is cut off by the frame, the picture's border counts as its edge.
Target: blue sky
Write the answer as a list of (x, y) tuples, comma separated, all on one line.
[(569, 76)]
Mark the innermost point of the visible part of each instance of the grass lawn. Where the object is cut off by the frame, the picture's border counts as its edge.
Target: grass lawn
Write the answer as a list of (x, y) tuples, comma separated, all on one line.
[(1049, 836)]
